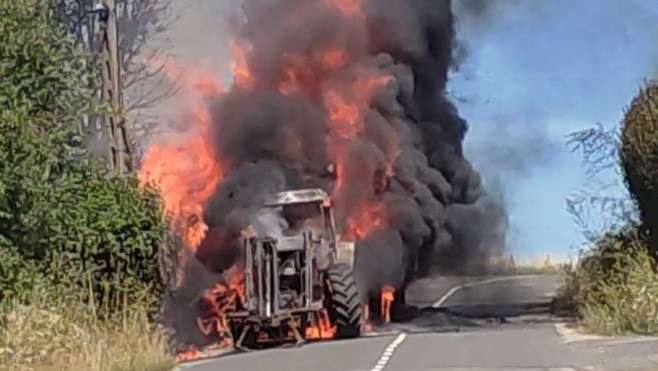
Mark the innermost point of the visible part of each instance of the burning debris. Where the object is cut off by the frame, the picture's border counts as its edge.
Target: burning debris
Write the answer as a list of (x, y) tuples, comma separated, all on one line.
[(346, 96)]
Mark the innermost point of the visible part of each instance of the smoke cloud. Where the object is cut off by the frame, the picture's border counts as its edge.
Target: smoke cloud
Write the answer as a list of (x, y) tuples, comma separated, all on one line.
[(349, 96)]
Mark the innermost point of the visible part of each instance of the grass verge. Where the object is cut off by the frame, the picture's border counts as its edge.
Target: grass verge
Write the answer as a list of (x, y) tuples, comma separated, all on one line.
[(55, 335), (506, 265), (613, 290)]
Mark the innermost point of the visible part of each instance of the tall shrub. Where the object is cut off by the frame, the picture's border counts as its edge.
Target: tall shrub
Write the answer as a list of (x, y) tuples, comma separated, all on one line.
[(66, 226), (639, 156)]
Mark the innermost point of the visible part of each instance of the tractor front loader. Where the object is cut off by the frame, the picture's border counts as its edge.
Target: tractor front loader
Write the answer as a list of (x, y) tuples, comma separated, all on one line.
[(299, 285)]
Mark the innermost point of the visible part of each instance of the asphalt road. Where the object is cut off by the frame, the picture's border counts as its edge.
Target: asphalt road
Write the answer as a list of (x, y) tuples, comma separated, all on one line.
[(479, 323)]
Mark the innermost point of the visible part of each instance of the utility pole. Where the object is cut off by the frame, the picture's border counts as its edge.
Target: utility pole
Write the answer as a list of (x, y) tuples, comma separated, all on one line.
[(116, 128)]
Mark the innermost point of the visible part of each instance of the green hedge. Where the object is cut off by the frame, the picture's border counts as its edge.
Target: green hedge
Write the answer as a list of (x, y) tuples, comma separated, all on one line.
[(66, 226)]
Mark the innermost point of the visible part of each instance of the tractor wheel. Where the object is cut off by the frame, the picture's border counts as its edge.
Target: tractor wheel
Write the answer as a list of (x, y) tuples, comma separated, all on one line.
[(342, 301)]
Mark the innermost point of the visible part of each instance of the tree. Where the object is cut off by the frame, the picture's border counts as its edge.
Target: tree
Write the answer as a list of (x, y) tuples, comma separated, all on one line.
[(142, 25), (66, 225), (639, 156)]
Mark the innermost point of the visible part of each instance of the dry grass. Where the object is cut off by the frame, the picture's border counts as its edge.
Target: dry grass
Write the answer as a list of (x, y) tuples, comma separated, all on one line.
[(614, 288), (508, 265), (57, 336)]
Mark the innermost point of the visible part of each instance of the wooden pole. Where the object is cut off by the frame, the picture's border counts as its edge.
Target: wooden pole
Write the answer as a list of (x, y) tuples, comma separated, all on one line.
[(115, 125)]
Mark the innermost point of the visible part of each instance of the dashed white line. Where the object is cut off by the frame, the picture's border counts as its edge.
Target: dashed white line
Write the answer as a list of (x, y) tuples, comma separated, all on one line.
[(453, 290), (388, 352)]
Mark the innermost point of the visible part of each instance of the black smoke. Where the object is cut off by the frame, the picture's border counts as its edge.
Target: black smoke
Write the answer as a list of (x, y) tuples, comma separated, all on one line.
[(440, 217)]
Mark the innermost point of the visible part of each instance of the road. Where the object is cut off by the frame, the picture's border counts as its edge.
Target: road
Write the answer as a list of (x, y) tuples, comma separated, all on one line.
[(485, 323)]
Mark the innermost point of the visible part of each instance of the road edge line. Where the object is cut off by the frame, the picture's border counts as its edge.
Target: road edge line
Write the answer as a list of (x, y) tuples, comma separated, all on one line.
[(454, 289)]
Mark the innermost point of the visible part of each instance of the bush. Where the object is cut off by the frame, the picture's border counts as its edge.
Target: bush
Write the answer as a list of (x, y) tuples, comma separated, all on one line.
[(615, 287), (65, 224), (639, 155)]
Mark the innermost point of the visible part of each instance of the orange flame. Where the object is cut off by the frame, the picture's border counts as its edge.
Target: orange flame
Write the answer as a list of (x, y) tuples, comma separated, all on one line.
[(299, 75), (189, 355), (235, 282), (334, 59), (347, 105), (323, 329), (239, 66), (220, 300), (188, 171), (186, 175), (387, 297), (367, 326), (366, 219)]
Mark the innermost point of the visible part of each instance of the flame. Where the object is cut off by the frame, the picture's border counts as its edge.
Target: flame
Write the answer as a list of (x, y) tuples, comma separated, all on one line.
[(334, 59), (368, 217), (323, 329), (387, 297), (189, 355), (187, 171), (235, 282), (186, 175), (299, 75), (221, 299), (347, 106), (239, 66), (305, 73), (367, 326)]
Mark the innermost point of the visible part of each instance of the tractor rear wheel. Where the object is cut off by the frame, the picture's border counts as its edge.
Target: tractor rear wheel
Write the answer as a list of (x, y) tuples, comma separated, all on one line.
[(342, 301)]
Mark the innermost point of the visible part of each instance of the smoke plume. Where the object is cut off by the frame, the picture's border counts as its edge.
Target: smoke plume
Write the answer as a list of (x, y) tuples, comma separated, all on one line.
[(348, 96)]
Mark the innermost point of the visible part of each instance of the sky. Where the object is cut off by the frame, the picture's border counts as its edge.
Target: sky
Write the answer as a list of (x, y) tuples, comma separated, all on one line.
[(533, 72), (530, 72)]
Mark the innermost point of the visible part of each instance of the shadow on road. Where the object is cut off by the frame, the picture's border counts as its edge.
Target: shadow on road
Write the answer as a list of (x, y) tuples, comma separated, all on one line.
[(470, 317)]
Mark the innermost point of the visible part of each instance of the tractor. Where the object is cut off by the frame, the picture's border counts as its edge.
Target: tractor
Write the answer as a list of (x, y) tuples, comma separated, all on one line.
[(297, 279)]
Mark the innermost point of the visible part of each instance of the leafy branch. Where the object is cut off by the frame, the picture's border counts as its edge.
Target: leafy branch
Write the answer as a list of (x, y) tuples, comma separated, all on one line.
[(605, 198)]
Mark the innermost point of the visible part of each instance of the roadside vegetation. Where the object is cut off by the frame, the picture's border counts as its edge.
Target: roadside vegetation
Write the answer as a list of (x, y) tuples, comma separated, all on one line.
[(507, 265), (83, 252), (614, 287)]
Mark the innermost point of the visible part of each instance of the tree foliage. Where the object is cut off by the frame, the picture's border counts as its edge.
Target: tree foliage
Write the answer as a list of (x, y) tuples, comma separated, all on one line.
[(65, 225), (639, 155), (614, 287)]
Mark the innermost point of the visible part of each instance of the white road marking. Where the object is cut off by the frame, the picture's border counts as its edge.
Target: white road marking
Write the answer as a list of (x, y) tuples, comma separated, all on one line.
[(453, 290), (388, 352)]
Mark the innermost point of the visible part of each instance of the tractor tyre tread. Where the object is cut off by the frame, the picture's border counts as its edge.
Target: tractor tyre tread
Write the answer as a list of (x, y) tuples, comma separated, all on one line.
[(344, 301)]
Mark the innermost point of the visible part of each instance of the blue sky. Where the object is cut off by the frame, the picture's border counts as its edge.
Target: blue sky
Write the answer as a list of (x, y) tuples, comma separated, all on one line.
[(535, 71)]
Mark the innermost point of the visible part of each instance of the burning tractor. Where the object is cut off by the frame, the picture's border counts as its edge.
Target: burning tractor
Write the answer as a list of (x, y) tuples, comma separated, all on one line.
[(296, 281)]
